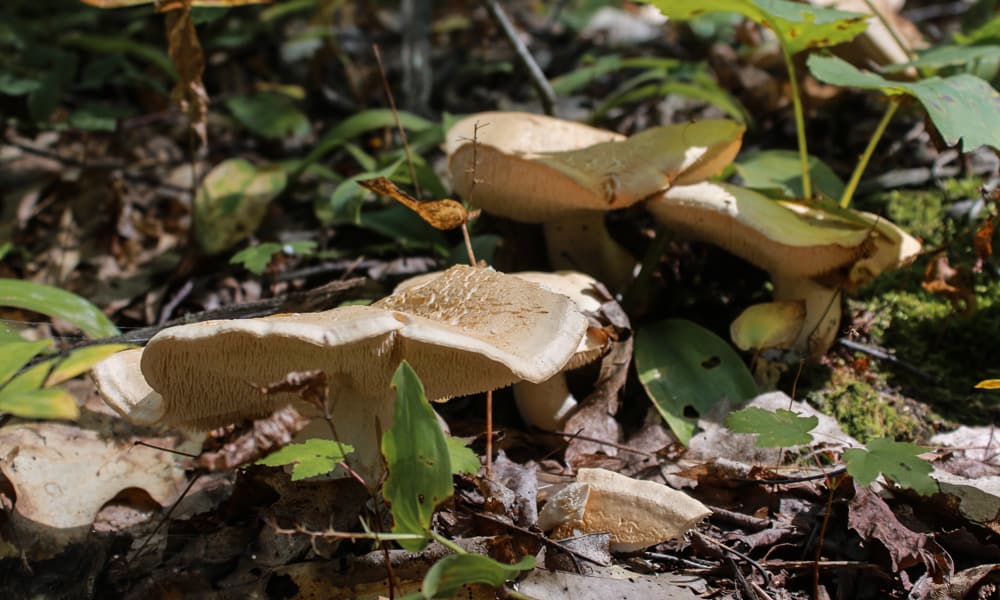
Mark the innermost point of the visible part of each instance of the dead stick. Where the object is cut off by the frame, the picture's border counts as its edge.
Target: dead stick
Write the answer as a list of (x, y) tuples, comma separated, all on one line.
[(546, 94)]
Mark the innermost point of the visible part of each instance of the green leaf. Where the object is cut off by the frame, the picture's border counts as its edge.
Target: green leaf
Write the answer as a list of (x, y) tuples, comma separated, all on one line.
[(945, 56), (963, 107), (781, 170), (448, 575), (462, 458), (578, 78), (898, 461), (312, 457), (12, 85), (231, 202), (681, 364), (82, 360), (798, 26), (269, 115), (419, 463), (779, 429), (14, 355), (58, 303), (39, 404)]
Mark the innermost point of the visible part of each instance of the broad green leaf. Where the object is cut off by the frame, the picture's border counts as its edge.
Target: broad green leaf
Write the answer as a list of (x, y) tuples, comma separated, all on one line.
[(681, 364), (781, 170), (58, 303), (798, 26), (39, 404), (30, 379), (97, 117), (463, 459), (945, 56), (112, 44), (82, 360), (768, 325), (269, 115), (483, 246), (231, 202), (256, 258), (963, 107), (12, 85), (446, 577), (401, 224), (898, 461), (779, 429), (419, 463), (311, 458), (706, 91), (14, 355)]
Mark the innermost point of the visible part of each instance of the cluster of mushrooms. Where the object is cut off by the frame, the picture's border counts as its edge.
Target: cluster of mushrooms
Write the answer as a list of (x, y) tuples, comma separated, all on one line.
[(471, 329)]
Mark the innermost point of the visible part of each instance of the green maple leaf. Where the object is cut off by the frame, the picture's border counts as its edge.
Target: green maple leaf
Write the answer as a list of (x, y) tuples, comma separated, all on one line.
[(898, 461), (312, 457)]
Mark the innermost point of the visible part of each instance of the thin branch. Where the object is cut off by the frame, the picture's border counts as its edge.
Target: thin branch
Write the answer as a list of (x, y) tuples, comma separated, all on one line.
[(546, 95)]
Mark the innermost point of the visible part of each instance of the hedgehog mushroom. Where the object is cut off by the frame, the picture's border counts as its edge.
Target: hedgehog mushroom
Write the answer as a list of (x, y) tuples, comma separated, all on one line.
[(468, 331), (566, 175), (810, 254)]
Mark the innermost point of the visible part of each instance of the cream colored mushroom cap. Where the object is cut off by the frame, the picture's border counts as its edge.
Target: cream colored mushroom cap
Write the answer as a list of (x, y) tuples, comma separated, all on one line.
[(541, 176), (581, 289), (760, 230), (122, 386), (468, 331), (524, 133)]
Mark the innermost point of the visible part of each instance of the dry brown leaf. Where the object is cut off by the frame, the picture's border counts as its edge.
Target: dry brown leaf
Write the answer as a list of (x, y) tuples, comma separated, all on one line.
[(185, 52), (982, 243), (264, 436), (62, 474), (440, 214), (955, 284)]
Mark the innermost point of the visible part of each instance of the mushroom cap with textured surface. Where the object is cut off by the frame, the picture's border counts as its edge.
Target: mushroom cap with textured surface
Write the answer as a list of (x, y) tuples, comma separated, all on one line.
[(553, 168), (468, 331)]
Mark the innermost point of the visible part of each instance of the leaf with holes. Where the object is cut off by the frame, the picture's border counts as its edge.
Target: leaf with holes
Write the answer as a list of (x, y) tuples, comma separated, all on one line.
[(779, 429), (682, 365)]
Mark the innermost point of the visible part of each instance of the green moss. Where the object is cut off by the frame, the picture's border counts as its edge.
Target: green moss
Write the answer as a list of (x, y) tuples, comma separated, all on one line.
[(863, 411), (922, 212)]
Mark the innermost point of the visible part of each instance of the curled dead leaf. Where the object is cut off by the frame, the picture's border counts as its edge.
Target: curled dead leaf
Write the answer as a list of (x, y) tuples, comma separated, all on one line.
[(440, 214)]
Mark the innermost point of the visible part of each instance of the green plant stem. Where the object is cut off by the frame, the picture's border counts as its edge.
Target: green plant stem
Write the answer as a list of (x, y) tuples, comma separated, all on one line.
[(800, 121), (447, 543), (845, 199)]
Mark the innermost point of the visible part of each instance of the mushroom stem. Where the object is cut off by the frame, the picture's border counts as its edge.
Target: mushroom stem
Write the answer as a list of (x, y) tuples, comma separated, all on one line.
[(545, 405), (354, 416), (581, 242), (823, 311)]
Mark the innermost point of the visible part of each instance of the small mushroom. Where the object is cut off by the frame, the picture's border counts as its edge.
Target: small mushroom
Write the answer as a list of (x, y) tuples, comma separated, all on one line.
[(566, 175), (549, 404), (637, 514), (467, 331), (810, 254)]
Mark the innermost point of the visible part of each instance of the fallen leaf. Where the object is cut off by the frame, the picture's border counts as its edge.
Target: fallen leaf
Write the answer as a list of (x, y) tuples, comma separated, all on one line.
[(440, 214), (185, 51)]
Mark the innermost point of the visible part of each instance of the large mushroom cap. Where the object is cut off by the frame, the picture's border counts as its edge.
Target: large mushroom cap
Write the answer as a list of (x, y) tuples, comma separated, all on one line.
[(760, 230), (468, 331), (536, 169)]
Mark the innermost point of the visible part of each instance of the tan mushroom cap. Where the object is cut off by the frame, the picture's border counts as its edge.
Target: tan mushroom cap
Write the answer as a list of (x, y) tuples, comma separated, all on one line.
[(122, 386), (468, 331), (760, 230), (554, 168), (637, 514)]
